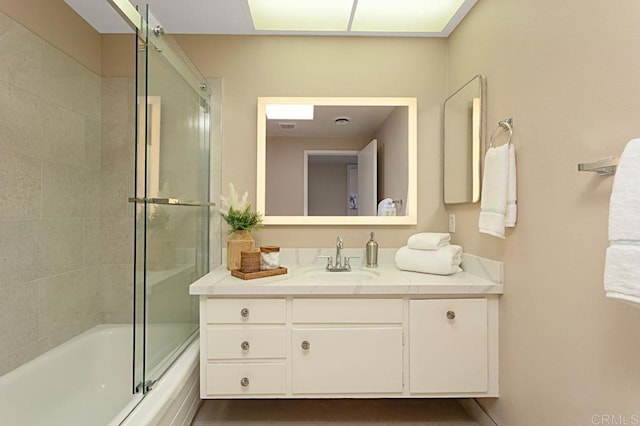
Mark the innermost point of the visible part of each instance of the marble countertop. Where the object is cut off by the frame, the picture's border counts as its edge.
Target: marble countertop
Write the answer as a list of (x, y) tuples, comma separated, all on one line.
[(479, 277)]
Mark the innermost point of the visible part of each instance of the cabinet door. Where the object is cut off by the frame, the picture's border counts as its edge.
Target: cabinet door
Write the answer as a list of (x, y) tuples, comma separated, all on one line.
[(347, 360), (448, 346)]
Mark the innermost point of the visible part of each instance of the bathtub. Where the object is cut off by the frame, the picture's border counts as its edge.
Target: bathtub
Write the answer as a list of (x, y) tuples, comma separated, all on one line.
[(87, 381)]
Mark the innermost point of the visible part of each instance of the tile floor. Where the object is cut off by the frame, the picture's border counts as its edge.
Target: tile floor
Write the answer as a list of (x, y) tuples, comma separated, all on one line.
[(332, 412)]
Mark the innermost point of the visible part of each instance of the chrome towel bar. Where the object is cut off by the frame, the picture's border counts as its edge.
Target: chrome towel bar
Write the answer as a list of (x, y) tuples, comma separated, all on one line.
[(603, 167), (171, 201)]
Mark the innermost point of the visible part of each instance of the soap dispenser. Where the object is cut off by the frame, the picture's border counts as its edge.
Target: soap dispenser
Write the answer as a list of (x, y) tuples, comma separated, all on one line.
[(372, 253)]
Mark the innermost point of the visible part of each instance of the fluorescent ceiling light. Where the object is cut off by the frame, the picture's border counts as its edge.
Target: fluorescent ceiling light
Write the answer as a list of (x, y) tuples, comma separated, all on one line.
[(301, 15), (404, 15), (289, 112)]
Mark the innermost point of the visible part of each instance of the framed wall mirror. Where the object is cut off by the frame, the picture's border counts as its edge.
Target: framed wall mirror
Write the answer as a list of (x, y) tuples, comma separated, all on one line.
[(464, 134), (337, 161)]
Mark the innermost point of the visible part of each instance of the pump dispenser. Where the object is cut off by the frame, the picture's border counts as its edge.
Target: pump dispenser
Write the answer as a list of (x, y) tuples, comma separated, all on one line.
[(372, 253)]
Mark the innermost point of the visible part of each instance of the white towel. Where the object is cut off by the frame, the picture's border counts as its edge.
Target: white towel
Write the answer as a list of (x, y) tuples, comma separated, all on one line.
[(498, 191), (428, 240), (512, 207), (622, 264), (386, 207), (444, 261)]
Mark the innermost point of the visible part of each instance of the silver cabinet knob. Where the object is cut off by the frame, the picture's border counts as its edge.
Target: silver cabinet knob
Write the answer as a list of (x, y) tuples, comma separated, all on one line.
[(451, 315), (305, 345), (244, 382), (244, 313), (244, 345)]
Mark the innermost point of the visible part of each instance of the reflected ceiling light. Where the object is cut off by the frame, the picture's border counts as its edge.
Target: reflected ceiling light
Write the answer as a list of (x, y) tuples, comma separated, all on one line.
[(301, 15), (289, 112), (405, 15)]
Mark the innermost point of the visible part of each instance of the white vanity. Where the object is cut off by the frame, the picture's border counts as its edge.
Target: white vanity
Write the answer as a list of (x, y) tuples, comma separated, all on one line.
[(368, 333)]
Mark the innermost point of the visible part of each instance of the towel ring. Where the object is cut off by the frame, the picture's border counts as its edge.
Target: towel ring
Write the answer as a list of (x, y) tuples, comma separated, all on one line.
[(505, 125)]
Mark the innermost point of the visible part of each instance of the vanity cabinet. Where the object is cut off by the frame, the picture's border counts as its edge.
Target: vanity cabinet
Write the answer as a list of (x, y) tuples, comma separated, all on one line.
[(349, 346), (346, 346), (449, 350)]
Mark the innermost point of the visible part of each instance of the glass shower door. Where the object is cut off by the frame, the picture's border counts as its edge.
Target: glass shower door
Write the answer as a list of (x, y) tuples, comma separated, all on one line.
[(172, 198)]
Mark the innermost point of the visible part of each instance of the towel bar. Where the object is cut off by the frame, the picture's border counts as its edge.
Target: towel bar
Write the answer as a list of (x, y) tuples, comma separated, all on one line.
[(603, 167)]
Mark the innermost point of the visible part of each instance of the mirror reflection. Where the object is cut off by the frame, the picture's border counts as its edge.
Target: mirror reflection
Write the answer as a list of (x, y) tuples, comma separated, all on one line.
[(463, 142), (337, 159)]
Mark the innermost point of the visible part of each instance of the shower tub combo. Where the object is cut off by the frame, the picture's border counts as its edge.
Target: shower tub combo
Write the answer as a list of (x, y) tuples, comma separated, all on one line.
[(87, 381)]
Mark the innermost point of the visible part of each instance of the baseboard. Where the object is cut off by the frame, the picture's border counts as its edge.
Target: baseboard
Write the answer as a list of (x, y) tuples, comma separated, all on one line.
[(476, 412)]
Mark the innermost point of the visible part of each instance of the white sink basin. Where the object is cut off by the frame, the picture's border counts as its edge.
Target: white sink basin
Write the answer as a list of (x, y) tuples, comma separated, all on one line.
[(354, 275)]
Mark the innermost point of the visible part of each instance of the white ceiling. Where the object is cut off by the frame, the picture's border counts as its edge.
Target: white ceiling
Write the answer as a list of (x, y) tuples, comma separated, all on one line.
[(364, 121), (213, 17)]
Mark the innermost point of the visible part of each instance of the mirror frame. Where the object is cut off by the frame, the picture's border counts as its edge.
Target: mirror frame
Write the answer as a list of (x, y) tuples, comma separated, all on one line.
[(412, 162), (477, 145)]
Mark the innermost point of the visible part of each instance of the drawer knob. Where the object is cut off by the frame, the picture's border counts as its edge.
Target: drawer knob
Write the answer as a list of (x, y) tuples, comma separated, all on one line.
[(244, 345), (244, 313), (305, 345), (451, 315), (244, 382)]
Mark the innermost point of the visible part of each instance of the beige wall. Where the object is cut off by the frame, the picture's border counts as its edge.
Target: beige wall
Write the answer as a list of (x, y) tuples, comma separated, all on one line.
[(59, 25), (393, 156), (117, 55), (567, 72), (326, 66), (285, 170), (327, 189)]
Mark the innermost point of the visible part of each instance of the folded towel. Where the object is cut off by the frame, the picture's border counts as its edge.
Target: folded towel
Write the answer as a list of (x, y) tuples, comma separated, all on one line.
[(622, 264), (444, 261), (511, 213), (386, 207), (493, 206), (428, 241)]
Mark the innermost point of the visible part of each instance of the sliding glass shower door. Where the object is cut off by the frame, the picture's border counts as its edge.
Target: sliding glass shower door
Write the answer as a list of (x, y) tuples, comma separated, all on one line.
[(172, 201)]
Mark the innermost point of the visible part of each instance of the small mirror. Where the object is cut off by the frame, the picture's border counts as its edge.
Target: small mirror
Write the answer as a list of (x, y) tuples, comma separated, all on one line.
[(337, 161), (464, 123)]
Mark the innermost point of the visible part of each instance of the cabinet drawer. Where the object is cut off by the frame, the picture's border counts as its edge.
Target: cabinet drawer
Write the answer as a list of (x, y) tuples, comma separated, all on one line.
[(246, 343), (448, 345), (246, 379), (246, 311), (341, 311)]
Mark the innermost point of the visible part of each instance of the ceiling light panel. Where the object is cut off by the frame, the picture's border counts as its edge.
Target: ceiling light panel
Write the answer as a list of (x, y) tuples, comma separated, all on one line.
[(289, 112), (301, 15), (404, 15)]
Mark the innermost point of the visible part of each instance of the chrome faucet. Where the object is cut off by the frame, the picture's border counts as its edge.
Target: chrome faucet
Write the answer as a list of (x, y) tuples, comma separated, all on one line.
[(339, 266), (339, 247)]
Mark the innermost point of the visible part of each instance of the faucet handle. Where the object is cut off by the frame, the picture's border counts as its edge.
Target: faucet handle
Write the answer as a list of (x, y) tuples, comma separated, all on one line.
[(346, 260), (329, 260)]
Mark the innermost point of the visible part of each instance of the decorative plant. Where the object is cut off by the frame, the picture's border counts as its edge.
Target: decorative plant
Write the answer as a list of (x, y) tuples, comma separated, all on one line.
[(238, 214)]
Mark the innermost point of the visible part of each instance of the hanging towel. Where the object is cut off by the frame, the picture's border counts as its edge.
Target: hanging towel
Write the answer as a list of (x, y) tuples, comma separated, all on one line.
[(497, 191), (428, 241), (444, 261), (511, 213), (622, 264)]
